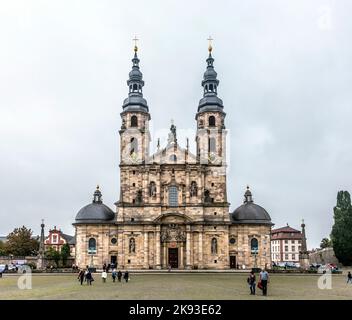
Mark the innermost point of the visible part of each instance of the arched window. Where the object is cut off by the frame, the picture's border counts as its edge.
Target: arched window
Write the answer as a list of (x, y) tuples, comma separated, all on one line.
[(133, 145), (92, 246), (173, 196), (211, 87), (254, 245), (211, 121), (132, 245), (212, 145), (134, 121), (214, 246), (173, 158), (135, 87)]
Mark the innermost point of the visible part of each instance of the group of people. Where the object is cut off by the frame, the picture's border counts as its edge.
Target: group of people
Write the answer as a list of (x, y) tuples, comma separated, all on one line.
[(115, 274), (262, 283), (85, 275)]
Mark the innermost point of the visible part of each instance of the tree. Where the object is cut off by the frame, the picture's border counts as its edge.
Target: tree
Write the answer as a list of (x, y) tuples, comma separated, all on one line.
[(65, 253), (325, 243), (2, 249), (21, 243), (52, 254), (341, 234)]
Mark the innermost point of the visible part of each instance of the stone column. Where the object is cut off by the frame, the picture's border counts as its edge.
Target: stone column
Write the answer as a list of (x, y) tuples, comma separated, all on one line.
[(158, 181), (188, 248), (146, 251), (164, 255), (181, 256), (157, 248), (188, 198), (200, 258)]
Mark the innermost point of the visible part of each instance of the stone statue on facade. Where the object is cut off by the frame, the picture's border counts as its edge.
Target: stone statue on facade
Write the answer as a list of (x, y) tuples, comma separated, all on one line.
[(132, 245), (207, 197), (172, 135), (214, 246), (193, 189), (139, 198), (152, 189)]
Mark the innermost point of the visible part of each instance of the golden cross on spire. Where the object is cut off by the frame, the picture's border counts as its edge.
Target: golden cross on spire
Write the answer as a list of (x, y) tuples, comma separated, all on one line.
[(135, 39), (210, 48)]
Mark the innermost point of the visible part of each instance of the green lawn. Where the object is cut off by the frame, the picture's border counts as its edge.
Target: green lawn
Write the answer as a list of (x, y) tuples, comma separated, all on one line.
[(174, 286)]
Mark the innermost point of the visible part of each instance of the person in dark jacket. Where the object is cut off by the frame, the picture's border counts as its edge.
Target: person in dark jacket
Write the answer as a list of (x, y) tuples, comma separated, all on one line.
[(119, 275), (349, 277), (81, 276), (126, 276), (89, 278), (251, 282)]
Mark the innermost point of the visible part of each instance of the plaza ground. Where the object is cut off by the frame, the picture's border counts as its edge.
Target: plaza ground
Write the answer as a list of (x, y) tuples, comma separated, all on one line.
[(228, 286)]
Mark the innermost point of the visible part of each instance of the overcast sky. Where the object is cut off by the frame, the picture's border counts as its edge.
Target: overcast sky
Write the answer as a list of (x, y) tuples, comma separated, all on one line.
[(285, 72)]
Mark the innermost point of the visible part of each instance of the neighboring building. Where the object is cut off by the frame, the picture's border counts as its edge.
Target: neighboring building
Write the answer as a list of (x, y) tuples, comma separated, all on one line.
[(173, 208), (56, 239), (323, 256), (286, 244)]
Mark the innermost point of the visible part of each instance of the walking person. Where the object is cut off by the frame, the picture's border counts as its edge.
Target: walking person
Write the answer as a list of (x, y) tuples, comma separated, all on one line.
[(89, 278), (349, 277), (113, 275), (119, 275), (264, 279), (126, 276), (81, 276), (251, 282), (104, 266), (104, 275)]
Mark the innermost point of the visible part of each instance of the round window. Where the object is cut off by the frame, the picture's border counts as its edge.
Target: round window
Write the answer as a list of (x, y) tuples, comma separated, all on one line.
[(232, 240), (113, 240)]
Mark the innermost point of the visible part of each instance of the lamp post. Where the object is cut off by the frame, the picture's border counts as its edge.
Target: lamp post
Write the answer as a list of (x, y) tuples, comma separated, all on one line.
[(91, 261), (255, 253)]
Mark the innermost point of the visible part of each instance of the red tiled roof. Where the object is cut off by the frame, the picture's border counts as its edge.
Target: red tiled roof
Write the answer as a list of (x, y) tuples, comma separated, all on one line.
[(286, 233), (288, 236), (285, 229)]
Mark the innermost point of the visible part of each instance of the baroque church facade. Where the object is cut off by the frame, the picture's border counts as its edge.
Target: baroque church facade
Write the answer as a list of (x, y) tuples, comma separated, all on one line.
[(173, 209)]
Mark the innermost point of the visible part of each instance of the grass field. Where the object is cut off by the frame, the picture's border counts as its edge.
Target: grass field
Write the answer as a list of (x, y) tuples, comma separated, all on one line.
[(174, 286)]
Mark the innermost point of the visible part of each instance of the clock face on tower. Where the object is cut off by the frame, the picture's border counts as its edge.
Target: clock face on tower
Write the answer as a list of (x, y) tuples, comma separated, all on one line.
[(212, 157), (134, 157)]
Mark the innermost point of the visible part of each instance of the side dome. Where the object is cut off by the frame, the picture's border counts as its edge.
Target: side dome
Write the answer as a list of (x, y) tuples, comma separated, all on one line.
[(250, 213), (96, 212)]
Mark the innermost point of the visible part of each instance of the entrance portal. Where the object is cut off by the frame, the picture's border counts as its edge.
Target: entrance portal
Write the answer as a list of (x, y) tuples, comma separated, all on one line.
[(113, 261), (173, 257), (233, 262)]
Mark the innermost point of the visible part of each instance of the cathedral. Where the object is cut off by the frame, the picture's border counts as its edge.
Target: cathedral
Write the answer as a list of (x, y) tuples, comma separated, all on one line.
[(172, 210)]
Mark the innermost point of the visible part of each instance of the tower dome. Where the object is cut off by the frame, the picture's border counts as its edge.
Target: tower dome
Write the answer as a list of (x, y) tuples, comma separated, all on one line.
[(96, 212), (135, 101), (250, 213), (210, 100)]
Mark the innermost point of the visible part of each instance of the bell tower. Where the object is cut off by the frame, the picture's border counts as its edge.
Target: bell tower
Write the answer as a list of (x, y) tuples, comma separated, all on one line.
[(134, 132), (211, 134)]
